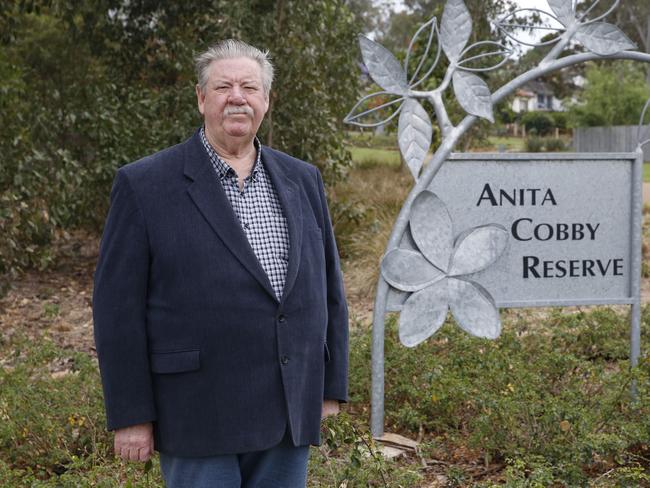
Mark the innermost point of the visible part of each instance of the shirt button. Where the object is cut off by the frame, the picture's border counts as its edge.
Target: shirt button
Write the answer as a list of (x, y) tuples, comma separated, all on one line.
[(284, 360), (282, 319)]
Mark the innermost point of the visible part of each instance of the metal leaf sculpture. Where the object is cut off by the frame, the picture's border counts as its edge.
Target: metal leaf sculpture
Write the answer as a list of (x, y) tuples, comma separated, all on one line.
[(364, 109), (498, 50), (473, 94), (414, 135), (422, 259), (563, 9), (603, 38), (430, 28), (455, 28), (383, 67), (518, 32)]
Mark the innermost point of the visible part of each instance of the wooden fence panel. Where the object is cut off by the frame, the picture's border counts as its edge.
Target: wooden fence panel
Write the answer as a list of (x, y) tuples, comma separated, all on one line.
[(617, 138)]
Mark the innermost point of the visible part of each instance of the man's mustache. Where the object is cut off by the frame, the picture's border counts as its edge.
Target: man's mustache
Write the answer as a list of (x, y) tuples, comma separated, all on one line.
[(230, 110)]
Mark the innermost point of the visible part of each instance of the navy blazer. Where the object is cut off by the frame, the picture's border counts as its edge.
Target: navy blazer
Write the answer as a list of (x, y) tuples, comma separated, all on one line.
[(189, 333)]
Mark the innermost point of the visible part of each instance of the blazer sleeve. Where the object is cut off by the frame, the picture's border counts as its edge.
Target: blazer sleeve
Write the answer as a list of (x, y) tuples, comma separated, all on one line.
[(336, 369), (119, 311)]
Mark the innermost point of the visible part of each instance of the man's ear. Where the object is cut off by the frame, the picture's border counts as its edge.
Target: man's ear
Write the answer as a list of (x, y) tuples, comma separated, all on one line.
[(267, 102), (200, 98)]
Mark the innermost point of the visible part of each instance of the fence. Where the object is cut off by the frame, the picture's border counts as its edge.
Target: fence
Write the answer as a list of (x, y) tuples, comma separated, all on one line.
[(618, 138)]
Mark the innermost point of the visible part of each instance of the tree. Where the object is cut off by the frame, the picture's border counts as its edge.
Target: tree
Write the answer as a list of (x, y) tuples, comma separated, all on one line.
[(632, 16), (613, 95), (88, 86)]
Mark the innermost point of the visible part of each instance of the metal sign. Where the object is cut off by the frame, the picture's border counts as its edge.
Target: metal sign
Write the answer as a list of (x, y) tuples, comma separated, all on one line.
[(572, 224), (483, 232)]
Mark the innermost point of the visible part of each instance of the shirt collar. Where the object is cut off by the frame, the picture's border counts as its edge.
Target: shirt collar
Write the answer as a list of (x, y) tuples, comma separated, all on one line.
[(222, 168)]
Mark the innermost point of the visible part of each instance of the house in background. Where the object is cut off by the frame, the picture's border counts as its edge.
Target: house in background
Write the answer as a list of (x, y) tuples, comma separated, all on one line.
[(536, 96)]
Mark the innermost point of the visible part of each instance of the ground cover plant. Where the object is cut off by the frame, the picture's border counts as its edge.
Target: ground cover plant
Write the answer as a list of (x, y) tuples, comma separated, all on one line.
[(547, 404)]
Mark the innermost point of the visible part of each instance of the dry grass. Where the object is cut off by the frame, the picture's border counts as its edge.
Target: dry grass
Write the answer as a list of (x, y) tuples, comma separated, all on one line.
[(365, 206)]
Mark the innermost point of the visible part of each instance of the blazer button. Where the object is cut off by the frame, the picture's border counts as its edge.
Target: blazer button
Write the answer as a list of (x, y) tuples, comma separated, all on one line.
[(282, 319), (284, 360)]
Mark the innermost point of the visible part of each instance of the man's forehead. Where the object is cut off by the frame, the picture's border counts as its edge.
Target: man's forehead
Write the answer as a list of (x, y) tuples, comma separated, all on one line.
[(236, 68)]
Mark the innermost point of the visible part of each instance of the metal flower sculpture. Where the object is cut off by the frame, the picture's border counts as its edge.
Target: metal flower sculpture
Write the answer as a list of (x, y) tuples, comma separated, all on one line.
[(432, 280), (436, 274)]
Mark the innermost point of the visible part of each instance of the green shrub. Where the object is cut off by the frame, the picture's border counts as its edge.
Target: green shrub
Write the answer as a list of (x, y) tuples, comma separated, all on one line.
[(557, 393), (544, 144), (51, 409), (538, 123), (534, 144), (553, 144), (560, 120)]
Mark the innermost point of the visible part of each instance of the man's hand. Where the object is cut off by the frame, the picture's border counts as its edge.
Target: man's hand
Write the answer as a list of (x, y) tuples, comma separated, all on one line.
[(134, 443), (330, 407)]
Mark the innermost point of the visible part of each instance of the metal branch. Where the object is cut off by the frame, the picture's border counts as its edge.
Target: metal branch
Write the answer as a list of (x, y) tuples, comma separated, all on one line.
[(565, 38), (441, 113), (641, 119)]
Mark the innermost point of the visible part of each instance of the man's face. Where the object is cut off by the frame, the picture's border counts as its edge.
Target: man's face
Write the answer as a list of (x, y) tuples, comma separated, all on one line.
[(233, 104)]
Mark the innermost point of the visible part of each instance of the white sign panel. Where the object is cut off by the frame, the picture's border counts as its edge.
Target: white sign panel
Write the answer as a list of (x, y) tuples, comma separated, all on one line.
[(569, 218)]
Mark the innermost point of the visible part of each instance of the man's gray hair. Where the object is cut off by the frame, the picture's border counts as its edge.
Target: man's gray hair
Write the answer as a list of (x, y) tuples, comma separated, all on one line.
[(230, 49)]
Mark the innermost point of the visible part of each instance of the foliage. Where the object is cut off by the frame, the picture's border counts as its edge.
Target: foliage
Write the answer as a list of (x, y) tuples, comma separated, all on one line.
[(537, 123), (548, 402), (51, 409), (553, 397), (349, 456), (504, 114), (613, 95), (88, 87), (52, 431), (560, 120), (545, 144)]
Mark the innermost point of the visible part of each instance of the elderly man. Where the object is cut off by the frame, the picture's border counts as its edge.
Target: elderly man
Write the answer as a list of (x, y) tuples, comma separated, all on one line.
[(220, 317)]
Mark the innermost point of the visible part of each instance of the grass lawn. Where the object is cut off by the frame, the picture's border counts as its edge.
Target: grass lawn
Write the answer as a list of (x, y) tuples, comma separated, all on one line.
[(516, 144), (368, 156)]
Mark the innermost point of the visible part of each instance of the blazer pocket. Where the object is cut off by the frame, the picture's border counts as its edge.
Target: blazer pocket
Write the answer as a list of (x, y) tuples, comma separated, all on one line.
[(174, 362), (327, 353)]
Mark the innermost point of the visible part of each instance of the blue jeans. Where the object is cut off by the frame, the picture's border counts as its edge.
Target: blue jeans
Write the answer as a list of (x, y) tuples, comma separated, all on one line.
[(281, 466)]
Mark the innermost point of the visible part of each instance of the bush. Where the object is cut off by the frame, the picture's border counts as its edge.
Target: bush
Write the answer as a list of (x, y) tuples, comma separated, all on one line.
[(52, 431), (544, 144), (83, 92), (534, 144), (560, 120), (537, 123), (557, 403), (553, 144)]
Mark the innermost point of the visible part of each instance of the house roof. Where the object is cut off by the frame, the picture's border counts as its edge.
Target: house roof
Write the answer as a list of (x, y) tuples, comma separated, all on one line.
[(538, 87)]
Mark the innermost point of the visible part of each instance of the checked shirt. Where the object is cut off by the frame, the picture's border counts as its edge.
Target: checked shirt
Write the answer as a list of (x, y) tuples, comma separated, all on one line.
[(259, 212)]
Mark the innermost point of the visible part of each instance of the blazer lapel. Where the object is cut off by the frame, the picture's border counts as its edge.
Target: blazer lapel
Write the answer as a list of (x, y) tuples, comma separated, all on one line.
[(211, 200), (289, 195)]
